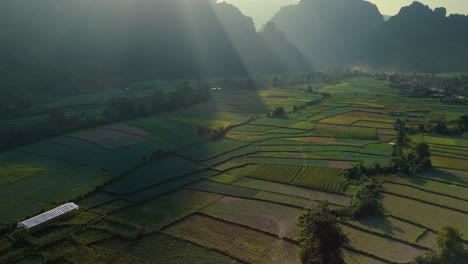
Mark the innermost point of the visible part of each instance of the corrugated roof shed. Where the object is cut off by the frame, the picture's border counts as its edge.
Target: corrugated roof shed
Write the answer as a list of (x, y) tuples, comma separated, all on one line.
[(46, 216)]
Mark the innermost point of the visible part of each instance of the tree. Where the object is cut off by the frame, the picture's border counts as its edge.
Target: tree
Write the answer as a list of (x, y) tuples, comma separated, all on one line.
[(462, 123), (320, 237), (366, 201), (57, 117), (451, 249), (119, 109), (279, 111), (440, 128), (423, 155), (451, 246), (421, 127)]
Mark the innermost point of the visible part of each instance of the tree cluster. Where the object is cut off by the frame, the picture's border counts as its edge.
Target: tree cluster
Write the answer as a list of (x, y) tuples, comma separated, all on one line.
[(116, 109), (453, 90)]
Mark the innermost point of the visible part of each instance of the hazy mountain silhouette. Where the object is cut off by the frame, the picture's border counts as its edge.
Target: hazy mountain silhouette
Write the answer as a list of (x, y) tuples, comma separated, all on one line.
[(353, 32), (330, 32), (61, 45), (421, 39)]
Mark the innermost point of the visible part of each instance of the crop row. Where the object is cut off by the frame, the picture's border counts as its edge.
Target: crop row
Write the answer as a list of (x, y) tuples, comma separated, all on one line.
[(323, 178), (344, 132)]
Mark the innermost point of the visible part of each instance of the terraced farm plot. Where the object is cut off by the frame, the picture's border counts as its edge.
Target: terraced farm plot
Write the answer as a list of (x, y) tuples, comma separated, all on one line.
[(322, 178), (158, 212), (30, 195), (210, 149), (317, 140), (97, 199), (307, 148), (112, 206), (109, 139), (281, 141), (231, 164), (449, 162), (391, 227), (352, 117), (448, 175), (77, 143), (432, 186), (455, 142), (344, 132), (60, 152), (382, 149), (374, 124), (275, 122), (272, 218), (129, 129), (162, 248), (444, 150), (428, 197), (240, 152), (153, 173), (351, 257), (252, 128), (382, 247), (340, 164), (287, 131), (225, 189), (428, 215), (207, 120), (289, 200), (302, 125), (285, 161), (13, 172), (354, 141), (169, 186), (327, 114), (294, 191), (242, 243), (91, 235), (171, 131)]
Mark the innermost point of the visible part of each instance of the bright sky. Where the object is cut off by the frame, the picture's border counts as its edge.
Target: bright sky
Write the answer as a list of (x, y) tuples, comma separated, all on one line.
[(263, 10)]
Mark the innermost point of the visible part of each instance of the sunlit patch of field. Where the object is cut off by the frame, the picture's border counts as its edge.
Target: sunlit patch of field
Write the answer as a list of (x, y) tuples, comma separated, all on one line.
[(380, 246), (423, 213)]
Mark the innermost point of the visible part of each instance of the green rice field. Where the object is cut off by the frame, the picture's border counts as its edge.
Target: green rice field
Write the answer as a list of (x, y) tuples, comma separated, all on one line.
[(161, 189)]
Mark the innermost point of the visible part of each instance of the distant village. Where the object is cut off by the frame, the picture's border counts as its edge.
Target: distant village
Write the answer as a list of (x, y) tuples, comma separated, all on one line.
[(448, 90)]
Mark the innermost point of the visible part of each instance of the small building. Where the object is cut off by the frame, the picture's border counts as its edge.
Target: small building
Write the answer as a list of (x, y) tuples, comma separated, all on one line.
[(47, 216)]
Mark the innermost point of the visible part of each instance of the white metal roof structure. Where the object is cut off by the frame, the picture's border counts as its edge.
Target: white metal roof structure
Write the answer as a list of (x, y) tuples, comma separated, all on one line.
[(46, 216)]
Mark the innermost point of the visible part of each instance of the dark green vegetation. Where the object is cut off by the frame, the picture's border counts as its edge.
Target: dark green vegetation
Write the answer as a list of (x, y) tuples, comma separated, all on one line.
[(320, 237), (155, 188), (357, 34), (451, 248), (57, 121)]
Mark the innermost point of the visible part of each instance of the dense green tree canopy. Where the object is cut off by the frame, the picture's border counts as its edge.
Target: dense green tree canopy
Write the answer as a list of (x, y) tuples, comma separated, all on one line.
[(320, 237)]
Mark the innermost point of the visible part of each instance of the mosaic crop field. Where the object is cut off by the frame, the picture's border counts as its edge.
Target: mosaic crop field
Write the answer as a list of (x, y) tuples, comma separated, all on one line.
[(160, 188), (324, 178)]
